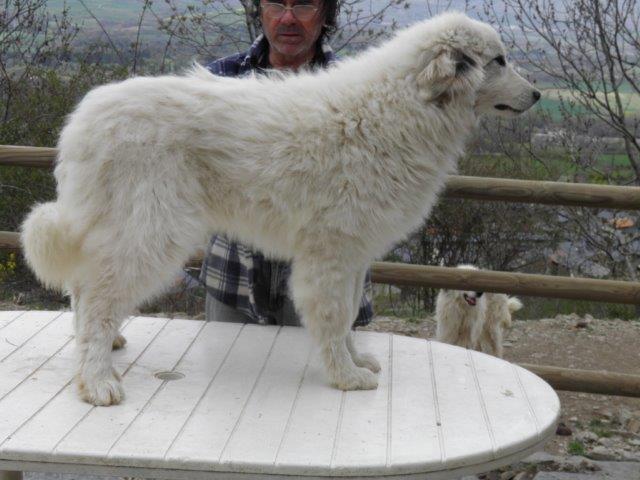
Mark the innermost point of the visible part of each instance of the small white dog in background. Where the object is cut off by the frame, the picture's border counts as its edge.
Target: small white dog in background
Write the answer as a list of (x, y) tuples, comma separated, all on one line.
[(474, 320)]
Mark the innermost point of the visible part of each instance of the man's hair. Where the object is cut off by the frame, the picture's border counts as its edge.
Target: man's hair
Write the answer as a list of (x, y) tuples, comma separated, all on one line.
[(330, 8)]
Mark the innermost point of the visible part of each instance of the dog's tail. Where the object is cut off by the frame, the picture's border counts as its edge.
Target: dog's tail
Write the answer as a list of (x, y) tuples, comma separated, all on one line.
[(48, 245), (514, 304)]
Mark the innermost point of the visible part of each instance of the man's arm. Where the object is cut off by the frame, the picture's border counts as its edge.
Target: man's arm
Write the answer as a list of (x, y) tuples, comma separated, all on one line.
[(227, 66)]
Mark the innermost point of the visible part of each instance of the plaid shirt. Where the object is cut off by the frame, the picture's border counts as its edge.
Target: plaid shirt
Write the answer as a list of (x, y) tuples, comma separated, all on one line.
[(234, 274)]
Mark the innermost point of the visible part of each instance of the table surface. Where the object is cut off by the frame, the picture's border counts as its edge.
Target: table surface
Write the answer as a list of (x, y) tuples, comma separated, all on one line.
[(253, 400)]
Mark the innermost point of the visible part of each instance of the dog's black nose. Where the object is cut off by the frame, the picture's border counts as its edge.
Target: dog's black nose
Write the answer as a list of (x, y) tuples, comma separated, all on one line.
[(479, 294), (536, 95)]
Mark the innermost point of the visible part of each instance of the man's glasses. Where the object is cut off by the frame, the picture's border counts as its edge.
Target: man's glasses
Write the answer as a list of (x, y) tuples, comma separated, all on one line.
[(301, 12)]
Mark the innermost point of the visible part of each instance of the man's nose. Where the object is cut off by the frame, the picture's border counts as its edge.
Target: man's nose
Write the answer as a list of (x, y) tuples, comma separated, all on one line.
[(288, 17)]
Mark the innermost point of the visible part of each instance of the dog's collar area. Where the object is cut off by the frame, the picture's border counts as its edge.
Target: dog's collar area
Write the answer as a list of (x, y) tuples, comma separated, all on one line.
[(502, 106)]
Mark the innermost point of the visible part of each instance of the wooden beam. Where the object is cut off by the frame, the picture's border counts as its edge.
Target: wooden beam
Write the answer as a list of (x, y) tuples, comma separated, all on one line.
[(9, 241), (10, 475), (478, 280), (17, 156), (506, 282), (588, 381), (474, 188), (548, 193)]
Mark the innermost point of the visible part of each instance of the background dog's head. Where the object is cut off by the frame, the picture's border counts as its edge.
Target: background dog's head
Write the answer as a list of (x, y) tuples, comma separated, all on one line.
[(464, 58), (465, 297)]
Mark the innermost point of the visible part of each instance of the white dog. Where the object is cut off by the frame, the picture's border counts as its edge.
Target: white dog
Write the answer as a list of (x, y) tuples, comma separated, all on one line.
[(326, 169), (474, 320)]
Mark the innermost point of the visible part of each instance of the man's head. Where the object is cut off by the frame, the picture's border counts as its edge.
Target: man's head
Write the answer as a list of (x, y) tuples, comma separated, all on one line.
[(293, 28)]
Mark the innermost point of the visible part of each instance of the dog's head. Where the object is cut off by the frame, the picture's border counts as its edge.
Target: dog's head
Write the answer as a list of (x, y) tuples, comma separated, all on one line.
[(470, 298), (464, 58), (466, 298)]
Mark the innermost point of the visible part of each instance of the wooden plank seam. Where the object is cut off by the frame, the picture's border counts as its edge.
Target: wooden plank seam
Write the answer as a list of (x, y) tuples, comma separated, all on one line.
[(18, 347), (204, 393), (62, 389), (293, 409), (66, 435), (528, 400), (436, 402), (389, 401), (483, 405), (155, 393), (246, 402)]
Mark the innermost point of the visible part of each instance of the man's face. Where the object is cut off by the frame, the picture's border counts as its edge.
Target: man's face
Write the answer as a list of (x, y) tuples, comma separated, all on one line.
[(292, 34)]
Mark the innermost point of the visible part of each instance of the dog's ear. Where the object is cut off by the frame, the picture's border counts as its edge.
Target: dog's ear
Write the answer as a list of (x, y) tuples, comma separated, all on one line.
[(445, 70)]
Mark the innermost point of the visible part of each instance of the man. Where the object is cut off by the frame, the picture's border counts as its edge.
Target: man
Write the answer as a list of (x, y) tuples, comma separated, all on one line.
[(242, 285)]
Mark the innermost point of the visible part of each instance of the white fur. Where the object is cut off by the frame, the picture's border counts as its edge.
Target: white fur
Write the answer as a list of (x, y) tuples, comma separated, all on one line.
[(478, 327), (325, 169)]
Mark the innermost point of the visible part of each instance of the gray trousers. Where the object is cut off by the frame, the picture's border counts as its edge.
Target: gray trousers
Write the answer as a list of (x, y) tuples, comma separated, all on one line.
[(221, 312)]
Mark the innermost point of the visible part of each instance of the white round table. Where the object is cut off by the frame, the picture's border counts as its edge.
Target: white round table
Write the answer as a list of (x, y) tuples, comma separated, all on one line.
[(223, 400)]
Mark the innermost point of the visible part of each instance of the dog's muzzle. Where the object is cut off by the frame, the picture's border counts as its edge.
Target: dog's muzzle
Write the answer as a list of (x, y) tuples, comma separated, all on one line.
[(535, 96), (472, 301)]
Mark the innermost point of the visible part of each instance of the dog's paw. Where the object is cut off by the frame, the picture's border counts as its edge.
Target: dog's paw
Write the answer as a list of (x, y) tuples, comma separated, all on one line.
[(101, 391), (368, 361), (355, 379), (119, 342)]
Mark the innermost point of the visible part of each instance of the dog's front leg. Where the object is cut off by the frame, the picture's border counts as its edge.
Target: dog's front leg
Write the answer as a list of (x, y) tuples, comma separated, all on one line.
[(361, 359), (323, 297), (96, 333)]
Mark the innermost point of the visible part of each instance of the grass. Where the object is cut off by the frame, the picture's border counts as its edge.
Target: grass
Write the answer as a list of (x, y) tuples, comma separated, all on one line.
[(535, 307), (616, 167), (560, 167), (401, 310), (614, 159), (413, 320), (597, 427), (630, 100), (107, 12), (551, 101), (576, 448)]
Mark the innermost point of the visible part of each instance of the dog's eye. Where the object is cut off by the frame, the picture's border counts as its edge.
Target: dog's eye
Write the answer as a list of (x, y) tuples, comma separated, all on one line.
[(500, 60)]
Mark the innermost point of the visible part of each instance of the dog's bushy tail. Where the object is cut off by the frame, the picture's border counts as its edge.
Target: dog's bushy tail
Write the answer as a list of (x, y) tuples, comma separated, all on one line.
[(48, 245), (514, 304)]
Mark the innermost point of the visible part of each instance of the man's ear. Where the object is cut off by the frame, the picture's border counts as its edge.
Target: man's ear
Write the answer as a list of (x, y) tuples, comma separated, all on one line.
[(444, 71)]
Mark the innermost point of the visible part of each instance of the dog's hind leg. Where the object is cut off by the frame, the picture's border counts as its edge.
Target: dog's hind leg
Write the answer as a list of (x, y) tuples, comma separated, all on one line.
[(449, 326), (323, 295), (365, 360), (74, 296), (491, 341), (98, 318), (118, 343), (137, 267)]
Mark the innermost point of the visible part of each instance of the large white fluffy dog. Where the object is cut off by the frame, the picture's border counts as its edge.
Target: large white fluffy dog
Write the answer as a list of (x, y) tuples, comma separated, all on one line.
[(326, 169), (474, 320)]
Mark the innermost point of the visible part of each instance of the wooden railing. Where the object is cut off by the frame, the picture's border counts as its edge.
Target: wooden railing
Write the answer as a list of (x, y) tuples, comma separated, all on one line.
[(474, 188), (486, 189), (479, 280)]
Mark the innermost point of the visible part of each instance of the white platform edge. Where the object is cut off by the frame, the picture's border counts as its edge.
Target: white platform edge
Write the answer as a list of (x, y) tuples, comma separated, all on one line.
[(88, 469), (190, 470)]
